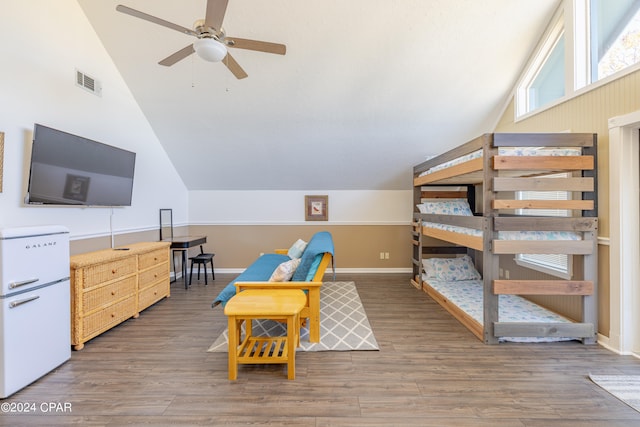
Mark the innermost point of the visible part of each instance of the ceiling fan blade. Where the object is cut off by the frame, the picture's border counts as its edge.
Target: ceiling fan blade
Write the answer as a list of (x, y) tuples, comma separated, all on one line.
[(215, 13), (150, 18), (179, 55), (257, 45), (234, 67)]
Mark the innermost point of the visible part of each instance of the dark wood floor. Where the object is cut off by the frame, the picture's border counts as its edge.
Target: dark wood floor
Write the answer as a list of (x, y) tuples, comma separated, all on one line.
[(430, 371)]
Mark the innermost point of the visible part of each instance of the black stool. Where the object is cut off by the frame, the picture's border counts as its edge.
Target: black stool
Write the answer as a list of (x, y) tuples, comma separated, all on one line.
[(202, 259)]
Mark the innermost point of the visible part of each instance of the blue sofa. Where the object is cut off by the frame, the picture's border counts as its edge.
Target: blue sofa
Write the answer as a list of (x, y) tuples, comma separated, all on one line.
[(307, 276)]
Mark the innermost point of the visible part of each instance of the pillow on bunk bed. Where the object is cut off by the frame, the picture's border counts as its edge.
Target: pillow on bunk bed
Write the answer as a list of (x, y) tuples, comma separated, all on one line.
[(448, 207), (284, 271), (450, 269)]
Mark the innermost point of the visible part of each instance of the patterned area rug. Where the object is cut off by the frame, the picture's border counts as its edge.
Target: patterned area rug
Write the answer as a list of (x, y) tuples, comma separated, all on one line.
[(343, 323), (624, 387)]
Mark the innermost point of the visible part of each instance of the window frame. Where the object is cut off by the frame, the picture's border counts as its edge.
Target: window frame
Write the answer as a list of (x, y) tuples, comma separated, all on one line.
[(535, 261), (577, 59), (543, 52)]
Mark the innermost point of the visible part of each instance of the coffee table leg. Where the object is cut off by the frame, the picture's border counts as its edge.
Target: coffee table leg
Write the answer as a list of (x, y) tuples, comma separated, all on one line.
[(233, 348), (293, 323)]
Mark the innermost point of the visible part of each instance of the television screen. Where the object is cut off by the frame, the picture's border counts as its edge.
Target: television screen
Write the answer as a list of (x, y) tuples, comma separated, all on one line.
[(70, 170)]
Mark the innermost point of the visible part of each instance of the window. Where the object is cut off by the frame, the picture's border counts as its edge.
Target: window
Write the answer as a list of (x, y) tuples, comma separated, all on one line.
[(554, 264), (598, 39), (614, 36), (544, 81), (548, 85)]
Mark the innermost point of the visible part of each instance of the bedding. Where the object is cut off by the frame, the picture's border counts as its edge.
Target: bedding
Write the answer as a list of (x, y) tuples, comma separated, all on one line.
[(450, 269), (461, 207), (509, 235), (468, 296), (508, 151)]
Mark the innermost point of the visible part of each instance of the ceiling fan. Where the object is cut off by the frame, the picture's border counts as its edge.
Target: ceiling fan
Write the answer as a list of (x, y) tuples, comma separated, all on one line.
[(212, 42)]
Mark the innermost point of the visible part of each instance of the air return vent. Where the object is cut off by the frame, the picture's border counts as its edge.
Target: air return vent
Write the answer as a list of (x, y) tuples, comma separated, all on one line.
[(88, 83)]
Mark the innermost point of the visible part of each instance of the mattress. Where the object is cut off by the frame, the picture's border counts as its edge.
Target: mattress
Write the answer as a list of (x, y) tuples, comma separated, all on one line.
[(509, 235), (508, 151), (468, 296)]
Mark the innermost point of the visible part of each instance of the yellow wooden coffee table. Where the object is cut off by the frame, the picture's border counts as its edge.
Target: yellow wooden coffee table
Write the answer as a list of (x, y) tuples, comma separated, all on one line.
[(273, 304)]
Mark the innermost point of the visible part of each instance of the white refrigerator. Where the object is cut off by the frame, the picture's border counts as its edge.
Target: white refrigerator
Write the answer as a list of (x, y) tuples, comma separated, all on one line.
[(35, 317)]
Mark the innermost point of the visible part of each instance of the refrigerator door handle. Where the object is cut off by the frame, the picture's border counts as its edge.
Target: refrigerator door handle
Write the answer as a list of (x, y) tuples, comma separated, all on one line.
[(15, 304), (14, 285)]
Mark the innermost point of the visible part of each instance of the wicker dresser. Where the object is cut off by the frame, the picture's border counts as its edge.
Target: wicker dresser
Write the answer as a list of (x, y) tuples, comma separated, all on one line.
[(112, 285)]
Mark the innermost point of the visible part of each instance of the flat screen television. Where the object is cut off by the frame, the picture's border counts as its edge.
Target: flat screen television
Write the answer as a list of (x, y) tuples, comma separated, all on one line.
[(71, 170)]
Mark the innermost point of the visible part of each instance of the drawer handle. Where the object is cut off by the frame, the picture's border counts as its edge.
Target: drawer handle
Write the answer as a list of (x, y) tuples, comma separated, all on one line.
[(113, 315), (113, 292), (114, 271), (155, 275)]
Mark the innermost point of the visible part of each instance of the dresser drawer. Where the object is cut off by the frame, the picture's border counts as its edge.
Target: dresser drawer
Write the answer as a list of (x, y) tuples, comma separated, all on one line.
[(152, 258), (100, 273), (153, 275), (106, 295), (110, 316), (152, 294)]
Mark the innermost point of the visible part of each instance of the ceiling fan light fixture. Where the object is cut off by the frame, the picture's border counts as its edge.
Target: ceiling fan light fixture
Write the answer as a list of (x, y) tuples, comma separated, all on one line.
[(210, 49)]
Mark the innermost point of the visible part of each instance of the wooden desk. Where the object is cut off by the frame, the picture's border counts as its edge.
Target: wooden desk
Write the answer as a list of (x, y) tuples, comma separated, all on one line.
[(275, 304), (182, 244)]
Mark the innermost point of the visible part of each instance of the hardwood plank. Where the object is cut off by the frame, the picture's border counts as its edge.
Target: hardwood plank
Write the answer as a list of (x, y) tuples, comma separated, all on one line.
[(543, 287), (543, 139), (456, 173), (543, 204), (474, 242), (523, 329), (556, 163), (443, 194), (430, 371), (528, 223)]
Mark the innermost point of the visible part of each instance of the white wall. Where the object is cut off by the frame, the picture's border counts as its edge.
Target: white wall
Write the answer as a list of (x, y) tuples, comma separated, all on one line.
[(42, 43), (287, 207)]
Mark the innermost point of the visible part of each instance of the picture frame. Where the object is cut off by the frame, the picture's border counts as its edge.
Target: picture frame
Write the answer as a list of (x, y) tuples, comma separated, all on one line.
[(1, 157), (76, 187), (316, 208)]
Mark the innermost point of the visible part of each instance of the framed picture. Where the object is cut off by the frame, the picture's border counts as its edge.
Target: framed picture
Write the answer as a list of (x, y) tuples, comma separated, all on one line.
[(1, 157), (76, 187), (316, 208)]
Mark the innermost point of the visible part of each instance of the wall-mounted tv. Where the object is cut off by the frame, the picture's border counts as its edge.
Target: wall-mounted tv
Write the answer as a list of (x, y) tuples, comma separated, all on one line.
[(70, 170)]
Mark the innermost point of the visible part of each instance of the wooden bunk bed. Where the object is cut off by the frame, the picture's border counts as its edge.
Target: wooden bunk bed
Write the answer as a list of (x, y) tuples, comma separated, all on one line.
[(485, 168)]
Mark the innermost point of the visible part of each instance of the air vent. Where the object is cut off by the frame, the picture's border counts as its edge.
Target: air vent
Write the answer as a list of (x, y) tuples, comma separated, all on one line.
[(88, 83)]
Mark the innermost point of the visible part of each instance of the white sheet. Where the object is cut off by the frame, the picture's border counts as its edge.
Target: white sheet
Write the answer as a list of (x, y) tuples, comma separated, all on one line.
[(468, 296)]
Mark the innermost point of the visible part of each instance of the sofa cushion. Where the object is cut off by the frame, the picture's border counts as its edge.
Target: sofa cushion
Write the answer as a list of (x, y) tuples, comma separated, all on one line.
[(320, 243), (259, 271), (297, 249), (284, 271)]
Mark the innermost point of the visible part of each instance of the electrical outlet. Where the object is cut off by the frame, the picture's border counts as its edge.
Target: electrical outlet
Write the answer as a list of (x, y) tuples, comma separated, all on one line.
[(386, 255), (501, 273), (381, 255), (506, 274)]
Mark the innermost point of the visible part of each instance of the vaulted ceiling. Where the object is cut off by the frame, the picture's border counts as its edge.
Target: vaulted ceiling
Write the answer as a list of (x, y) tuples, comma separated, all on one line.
[(367, 88)]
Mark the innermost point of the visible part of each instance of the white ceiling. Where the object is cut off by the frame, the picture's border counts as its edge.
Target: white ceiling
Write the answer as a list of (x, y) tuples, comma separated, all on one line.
[(367, 89)]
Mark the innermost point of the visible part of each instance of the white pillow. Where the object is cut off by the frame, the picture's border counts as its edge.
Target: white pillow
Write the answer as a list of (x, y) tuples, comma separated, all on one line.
[(449, 207), (285, 271), (450, 269), (296, 250)]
